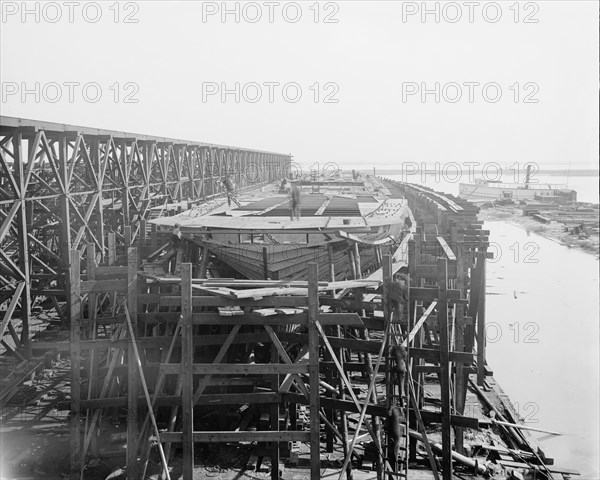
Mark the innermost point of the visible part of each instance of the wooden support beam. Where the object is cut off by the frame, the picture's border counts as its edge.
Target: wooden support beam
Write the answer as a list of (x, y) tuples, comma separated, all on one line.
[(481, 325), (138, 363), (227, 436), (187, 359), (132, 375), (433, 355), (445, 370), (75, 314), (313, 371)]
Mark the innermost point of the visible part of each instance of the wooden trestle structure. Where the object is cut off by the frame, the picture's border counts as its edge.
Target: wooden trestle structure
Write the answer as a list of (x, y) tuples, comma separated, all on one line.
[(63, 187), (179, 370)]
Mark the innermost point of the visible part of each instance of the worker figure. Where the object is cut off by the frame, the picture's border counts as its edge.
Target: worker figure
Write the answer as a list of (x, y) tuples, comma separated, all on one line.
[(295, 202), (170, 261), (229, 188), (283, 187), (398, 293)]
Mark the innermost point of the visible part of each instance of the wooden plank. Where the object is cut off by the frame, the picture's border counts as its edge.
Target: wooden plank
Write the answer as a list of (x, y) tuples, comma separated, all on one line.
[(455, 420), (265, 254), (313, 371), (98, 286), (429, 272), (446, 248), (481, 325), (132, 374), (75, 334), (138, 362), (112, 248), (430, 294), (171, 400), (227, 436), (419, 324), (418, 412), (369, 346), (323, 206), (111, 271), (187, 359), (529, 466), (237, 368), (445, 370), (432, 355), (216, 319), (212, 301)]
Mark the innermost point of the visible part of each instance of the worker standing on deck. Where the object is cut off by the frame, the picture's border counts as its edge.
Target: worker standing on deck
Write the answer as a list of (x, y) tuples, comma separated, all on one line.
[(295, 201), (229, 188)]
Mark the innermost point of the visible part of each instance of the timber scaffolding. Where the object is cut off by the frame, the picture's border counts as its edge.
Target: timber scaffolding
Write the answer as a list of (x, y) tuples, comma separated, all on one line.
[(186, 360), (179, 363), (63, 187)]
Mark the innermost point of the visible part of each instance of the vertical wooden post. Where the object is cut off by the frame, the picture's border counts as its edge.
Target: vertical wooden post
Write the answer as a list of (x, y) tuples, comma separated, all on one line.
[(357, 261), (274, 412), (187, 360), (65, 226), (92, 313), (387, 312), (203, 262), (265, 254), (352, 263), (143, 234), (132, 373), (112, 248), (153, 238), (481, 325), (331, 265), (442, 308), (474, 293), (313, 370), (343, 417), (75, 314), (460, 384), (128, 234)]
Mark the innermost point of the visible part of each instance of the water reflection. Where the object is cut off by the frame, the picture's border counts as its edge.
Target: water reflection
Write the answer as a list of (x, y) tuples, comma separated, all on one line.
[(543, 340)]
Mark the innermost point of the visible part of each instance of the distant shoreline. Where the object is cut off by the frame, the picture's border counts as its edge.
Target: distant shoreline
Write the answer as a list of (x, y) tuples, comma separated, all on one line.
[(570, 173)]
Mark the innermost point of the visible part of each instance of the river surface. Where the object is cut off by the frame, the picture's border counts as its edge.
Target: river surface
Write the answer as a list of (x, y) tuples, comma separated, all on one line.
[(543, 341)]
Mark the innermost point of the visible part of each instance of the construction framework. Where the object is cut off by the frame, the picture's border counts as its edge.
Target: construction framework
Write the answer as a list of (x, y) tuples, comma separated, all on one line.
[(63, 187), (179, 344), (73, 209)]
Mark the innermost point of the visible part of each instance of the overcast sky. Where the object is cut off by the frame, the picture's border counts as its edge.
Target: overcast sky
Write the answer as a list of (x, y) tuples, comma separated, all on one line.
[(359, 66)]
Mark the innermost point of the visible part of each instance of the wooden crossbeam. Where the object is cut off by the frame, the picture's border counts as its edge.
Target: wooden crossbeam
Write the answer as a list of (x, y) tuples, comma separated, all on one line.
[(231, 436)]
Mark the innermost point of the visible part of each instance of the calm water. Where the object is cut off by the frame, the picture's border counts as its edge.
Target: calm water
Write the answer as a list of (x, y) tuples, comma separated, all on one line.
[(542, 313), (543, 334)]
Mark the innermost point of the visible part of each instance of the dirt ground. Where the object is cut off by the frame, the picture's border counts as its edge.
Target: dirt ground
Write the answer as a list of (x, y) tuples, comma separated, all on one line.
[(554, 231)]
